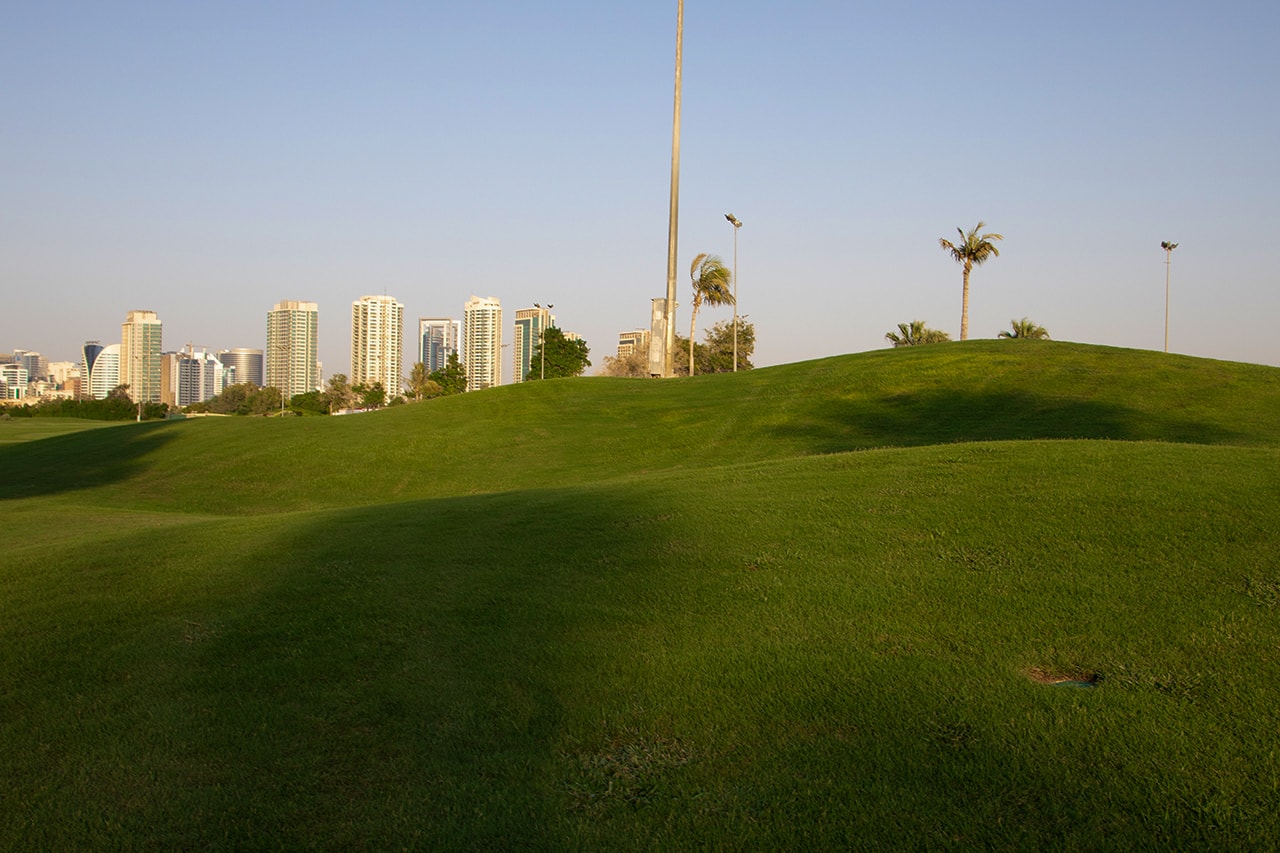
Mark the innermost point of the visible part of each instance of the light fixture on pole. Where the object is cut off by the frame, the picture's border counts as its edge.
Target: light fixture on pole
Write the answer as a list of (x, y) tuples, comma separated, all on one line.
[(733, 220), (1168, 261), (542, 336)]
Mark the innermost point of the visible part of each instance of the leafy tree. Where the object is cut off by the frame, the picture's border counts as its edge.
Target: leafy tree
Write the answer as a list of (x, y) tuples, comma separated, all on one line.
[(914, 334), (711, 284), (974, 249), (265, 401), (418, 382), (1025, 330), (312, 401), (716, 354), (557, 356), (719, 347), (338, 393), (120, 392), (431, 389), (452, 379), (244, 398), (370, 396), (634, 364)]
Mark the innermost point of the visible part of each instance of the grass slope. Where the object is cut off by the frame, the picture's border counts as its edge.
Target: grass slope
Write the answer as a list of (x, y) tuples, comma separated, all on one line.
[(585, 431), (610, 614)]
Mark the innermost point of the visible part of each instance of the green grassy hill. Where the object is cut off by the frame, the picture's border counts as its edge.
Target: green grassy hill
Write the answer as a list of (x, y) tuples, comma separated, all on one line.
[(615, 614)]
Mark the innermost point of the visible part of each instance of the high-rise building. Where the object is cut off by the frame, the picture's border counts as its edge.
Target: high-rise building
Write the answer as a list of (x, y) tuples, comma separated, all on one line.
[(99, 370), (377, 343), (629, 342), (247, 364), (34, 362), (64, 372), (482, 347), (192, 376), (13, 381), (530, 324), (140, 335), (293, 363), (438, 338)]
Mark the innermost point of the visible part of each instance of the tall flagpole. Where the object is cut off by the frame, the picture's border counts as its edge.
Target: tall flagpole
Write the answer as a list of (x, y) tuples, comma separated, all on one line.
[(670, 331)]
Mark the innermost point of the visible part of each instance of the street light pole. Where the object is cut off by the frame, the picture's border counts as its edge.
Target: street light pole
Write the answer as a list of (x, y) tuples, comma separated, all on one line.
[(733, 220), (1168, 262), (137, 392), (670, 311)]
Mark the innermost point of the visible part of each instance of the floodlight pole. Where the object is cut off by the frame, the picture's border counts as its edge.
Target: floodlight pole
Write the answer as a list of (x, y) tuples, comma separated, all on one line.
[(733, 220), (1168, 263), (670, 309)]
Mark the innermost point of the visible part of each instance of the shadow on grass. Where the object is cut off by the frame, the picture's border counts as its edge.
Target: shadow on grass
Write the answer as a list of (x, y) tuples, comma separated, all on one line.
[(536, 670), (80, 460), (377, 677), (837, 424)]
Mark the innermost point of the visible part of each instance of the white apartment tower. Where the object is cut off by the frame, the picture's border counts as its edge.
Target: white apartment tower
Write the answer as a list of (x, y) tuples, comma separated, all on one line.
[(99, 370), (293, 358), (438, 337), (377, 343), (140, 335), (530, 324), (193, 376), (482, 330)]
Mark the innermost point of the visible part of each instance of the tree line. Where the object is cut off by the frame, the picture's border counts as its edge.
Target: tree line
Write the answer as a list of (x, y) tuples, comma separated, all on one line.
[(116, 406)]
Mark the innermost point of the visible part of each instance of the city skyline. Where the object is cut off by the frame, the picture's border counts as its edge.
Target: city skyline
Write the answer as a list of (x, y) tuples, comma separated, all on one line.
[(191, 160)]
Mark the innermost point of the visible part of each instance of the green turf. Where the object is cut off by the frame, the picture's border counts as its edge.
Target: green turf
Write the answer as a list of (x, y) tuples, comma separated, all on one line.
[(21, 430), (610, 614)]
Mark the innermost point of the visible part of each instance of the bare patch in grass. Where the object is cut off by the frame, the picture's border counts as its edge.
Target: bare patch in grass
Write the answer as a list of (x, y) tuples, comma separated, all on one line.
[(198, 632), (1264, 591), (631, 769), (1065, 677)]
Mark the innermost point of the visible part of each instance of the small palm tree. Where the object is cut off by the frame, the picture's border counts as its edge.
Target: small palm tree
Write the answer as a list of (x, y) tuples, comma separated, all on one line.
[(1025, 330), (915, 334), (711, 284), (974, 249)]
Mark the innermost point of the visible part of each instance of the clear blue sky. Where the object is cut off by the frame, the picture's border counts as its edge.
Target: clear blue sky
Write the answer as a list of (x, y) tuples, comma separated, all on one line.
[(206, 160)]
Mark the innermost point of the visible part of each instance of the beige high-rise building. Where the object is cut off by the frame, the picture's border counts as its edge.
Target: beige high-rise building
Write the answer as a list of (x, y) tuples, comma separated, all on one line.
[(140, 335), (293, 344), (377, 343), (482, 330), (629, 342)]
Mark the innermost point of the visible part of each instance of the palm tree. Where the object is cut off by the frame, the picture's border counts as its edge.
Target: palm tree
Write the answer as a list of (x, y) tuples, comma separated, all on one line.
[(1024, 330), (914, 334), (711, 284), (974, 249)]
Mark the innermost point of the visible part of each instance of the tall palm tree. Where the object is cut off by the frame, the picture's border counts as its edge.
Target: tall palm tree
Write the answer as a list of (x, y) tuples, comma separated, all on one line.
[(1024, 330), (915, 334), (711, 284), (974, 249)]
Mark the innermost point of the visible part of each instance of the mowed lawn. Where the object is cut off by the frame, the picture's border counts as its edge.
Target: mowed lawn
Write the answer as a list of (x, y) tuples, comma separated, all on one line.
[(992, 595)]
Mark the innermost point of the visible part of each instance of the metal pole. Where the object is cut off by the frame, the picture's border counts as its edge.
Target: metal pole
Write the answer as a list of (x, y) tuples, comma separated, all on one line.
[(736, 223), (670, 309), (1168, 263)]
